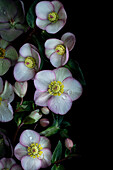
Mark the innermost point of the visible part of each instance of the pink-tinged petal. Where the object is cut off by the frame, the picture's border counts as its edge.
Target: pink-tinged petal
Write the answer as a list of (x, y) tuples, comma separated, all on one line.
[(43, 9), (29, 136), (29, 163), (1, 165), (7, 162), (20, 151), (42, 24), (47, 156), (36, 55), (55, 27), (62, 73), (1, 85), (16, 167), (23, 73), (52, 43), (45, 142), (69, 40), (62, 14), (60, 104), (49, 52), (56, 60), (65, 57), (25, 50), (57, 5), (42, 99), (6, 114), (43, 79), (73, 88)]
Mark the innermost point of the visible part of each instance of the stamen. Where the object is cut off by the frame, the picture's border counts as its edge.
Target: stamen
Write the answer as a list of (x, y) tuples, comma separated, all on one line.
[(30, 62), (56, 88), (60, 49), (0, 100), (2, 53), (34, 150), (53, 17)]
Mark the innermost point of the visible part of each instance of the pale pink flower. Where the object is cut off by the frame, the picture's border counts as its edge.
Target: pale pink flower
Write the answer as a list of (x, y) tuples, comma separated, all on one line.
[(9, 164)]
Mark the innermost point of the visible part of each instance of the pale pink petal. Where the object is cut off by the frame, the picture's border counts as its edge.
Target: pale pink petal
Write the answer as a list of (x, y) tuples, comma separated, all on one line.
[(1, 165), (20, 151), (73, 88), (1, 85), (62, 14), (45, 142), (56, 60), (57, 5), (29, 136), (47, 156), (69, 40), (52, 43), (42, 99), (65, 57), (16, 167), (7, 162), (43, 79), (25, 50), (49, 52), (62, 73), (23, 73), (36, 55), (42, 24), (60, 104), (55, 27), (43, 9), (29, 163)]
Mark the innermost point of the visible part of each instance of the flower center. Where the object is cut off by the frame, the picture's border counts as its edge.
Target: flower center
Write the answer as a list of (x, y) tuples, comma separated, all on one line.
[(2, 53), (5, 169), (12, 22), (34, 150), (60, 49), (0, 100), (30, 62), (53, 17), (56, 88)]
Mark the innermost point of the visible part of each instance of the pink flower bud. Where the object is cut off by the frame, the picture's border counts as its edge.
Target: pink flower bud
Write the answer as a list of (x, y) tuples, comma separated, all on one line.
[(69, 143), (45, 110), (35, 115), (44, 122), (20, 88)]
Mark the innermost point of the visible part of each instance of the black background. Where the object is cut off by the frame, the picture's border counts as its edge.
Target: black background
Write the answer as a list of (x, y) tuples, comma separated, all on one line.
[(78, 116)]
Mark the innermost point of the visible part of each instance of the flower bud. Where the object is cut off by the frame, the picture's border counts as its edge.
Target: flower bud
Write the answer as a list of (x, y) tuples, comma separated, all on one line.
[(35, 115), (45, 110), (20, 88), (44, 122), (69, 143)]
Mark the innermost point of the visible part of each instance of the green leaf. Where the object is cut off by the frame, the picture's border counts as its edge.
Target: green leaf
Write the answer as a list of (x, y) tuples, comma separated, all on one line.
[(31, 16), (28, 120), (57, 152), (64, 133), (73, 151), (75, 69), (57, 167), (25, 107)]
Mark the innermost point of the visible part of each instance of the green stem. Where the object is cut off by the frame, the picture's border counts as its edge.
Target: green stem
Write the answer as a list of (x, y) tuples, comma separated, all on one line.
[(17, 131)]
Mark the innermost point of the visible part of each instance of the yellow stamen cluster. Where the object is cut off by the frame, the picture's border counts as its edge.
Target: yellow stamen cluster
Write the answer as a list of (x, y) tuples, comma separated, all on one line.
[(2, 53), (30, 62), (60, 49), (5, 169), (0, 100), (53, 17), (34, 150), (56, 88)]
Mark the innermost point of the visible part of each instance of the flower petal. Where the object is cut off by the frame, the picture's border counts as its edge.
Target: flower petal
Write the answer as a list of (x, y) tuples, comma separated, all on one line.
[(57, 5), (42, 99), (65, 57), (43, 79), (56, 60), (23, 73), (3, 43), (60, 104), (69, 40), (42, 24), (5, 64), (28, 137), (62, 14), (8, 93), (43, 9), (25, 50), (6, 114), (11, 53), (1, 165), (55, 27), (47, 156), (49, 52), (1, 85), (4, 26), (62, 73), (45, 142), (7, 162), (20, 151), (16, 167), (52, 43), (29, 163), (36, 55), (73, 88)]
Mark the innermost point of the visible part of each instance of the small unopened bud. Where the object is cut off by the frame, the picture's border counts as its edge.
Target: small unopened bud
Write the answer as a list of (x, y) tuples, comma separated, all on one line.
[(69, 143), (44, 122), (20, 88), (35, 115), (45, 110)]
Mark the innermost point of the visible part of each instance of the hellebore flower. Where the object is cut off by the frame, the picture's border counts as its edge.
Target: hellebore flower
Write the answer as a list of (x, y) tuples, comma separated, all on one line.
[(56, 89), (6, 97), (51, 16), (58, 50), (12, 17), (28, 63), (8, 56), (9, 164), (33, 151)]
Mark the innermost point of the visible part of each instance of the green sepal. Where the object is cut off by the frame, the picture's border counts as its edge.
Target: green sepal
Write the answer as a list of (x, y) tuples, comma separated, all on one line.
[(28, 120), (25, 107)]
